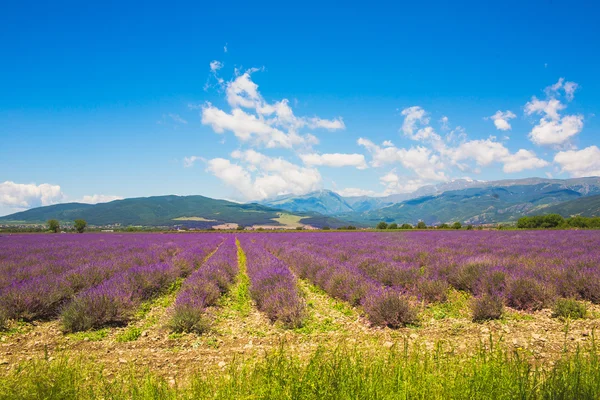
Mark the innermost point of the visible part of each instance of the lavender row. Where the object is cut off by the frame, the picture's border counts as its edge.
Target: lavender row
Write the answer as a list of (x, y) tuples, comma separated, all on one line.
[(526, 270), (79, 262), (204, 287), (272, 285), (114, 301)]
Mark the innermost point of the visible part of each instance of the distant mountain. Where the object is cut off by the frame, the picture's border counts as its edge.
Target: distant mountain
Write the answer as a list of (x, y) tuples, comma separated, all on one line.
[(324, 202), (327, 202), (479, 205), (585, 206), (191, 211)]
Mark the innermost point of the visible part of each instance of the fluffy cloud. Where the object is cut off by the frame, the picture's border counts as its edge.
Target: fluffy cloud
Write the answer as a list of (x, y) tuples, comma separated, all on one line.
[(568, 88), (579, 163), (98, 198), (522, 160), (556, 132), (395, 184), (413, 116), (420, 159), (334, 160), (501, 119), (253, 119), (256, 176), (554, 129), (488, 151), (215, 66), (23, 196), (189, 162)]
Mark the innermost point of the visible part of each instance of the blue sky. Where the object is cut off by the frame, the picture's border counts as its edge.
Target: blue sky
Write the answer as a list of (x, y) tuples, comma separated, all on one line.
[(121, 100)]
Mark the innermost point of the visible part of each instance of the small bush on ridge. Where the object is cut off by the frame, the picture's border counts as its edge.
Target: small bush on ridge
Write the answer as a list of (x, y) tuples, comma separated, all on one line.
[(189, 320), (527, 294), (569, 308), (389, 308), (487, 307)]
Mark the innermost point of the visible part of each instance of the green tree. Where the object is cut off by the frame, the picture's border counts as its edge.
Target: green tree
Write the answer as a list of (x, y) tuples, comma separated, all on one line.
[(325, 228), (240, 227), (421, 225), (406, 226), (80, 225), (382, 225), (456, 225), (393, 226), (53, 225), (444, 226)]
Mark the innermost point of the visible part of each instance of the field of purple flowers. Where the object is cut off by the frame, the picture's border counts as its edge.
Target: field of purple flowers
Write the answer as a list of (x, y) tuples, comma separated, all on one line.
[(94, 279), (525, 270)]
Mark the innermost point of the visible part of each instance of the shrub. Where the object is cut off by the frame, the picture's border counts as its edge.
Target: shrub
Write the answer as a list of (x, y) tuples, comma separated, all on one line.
[(569, 308), (188, 319), (444, 226), (465, 277), (406, 226), (3, 321), (53, 225), (492, 283), (80, 225), (393, 226), (382, 225), (487, 307), (325, 228), (433, 290), (527, 294), (469, 227), (389, 308)]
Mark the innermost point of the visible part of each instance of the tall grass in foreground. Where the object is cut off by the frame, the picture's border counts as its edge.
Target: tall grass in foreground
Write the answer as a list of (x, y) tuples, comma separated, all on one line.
[(341, 373)]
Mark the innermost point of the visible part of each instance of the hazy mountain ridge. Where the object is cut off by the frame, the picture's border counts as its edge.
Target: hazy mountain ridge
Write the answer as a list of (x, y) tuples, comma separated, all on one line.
[(203, 212)]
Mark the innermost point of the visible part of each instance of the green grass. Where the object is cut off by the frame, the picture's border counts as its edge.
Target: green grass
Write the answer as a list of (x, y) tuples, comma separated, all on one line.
[(92, 336), (402, 372), (239, 298), (457, 306), (130, 334)]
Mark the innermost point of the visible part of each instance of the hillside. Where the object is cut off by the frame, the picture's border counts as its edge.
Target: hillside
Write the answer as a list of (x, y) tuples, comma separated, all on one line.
[(327, 202), (473, 205), (191, 211), (324, 202), (585, 207)]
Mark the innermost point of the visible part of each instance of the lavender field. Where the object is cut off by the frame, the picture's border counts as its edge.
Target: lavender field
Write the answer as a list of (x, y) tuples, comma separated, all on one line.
[(94, 280), (173, 303)]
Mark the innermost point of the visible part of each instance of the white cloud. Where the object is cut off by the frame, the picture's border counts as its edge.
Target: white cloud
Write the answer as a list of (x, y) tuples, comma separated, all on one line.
[(554, 129), (501, 119), (176, 118), (568, 88), (522, 160), (215, 66), (396, 184), (334, 160), (258, 176), (420, 159), (549, 107), (556, 132), (413, 116), (355, 192), (189, 162), (488, 151), (262, 123), (22, 196), (98, 198), (444, 123), (579, 163)]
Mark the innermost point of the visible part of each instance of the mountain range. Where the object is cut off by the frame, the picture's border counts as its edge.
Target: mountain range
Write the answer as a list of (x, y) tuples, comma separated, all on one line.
[(467, 201)]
